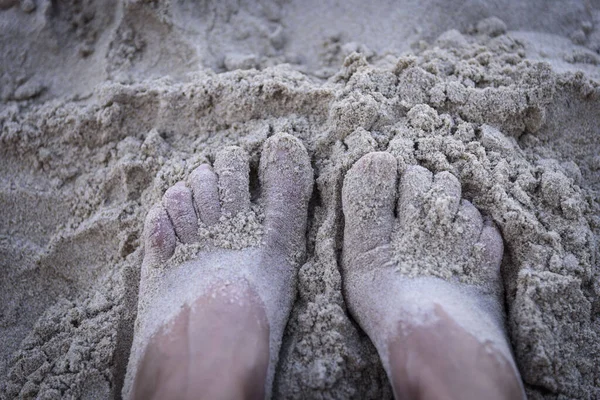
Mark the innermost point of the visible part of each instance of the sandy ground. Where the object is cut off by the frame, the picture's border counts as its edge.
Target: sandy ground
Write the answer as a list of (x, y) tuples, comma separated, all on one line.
[(105, 104)]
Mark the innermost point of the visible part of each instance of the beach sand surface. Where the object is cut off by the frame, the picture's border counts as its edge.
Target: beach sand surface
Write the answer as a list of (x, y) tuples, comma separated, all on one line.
[(106, 104)]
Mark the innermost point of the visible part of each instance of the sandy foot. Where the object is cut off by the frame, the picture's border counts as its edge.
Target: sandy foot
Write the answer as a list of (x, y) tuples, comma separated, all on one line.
[(208, 241), (421, 263)]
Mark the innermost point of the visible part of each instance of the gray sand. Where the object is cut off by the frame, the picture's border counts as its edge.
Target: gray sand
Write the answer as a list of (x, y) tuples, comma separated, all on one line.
[(104, 106)]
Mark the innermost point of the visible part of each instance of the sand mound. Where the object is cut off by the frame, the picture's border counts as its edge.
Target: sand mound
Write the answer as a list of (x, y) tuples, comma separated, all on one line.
[(104, 106)]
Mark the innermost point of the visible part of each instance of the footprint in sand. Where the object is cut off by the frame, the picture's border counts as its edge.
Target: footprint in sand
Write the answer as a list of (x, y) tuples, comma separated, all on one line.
[(421, 272), (203, 305)]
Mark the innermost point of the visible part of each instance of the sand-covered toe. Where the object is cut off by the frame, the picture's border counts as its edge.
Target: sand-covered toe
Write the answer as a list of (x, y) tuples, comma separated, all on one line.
[(233, 170), (368, 199), (159, 236), (286, 178), (205, 189), (180, 208)]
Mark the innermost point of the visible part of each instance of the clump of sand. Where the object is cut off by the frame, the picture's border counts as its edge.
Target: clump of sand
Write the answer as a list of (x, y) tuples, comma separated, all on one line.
[(109, 106)]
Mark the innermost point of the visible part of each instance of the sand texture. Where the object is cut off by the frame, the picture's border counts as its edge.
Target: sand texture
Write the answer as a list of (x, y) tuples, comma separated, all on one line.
[(106, 104)]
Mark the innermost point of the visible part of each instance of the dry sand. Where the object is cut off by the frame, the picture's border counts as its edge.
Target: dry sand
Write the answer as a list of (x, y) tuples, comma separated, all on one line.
[(105, 104)]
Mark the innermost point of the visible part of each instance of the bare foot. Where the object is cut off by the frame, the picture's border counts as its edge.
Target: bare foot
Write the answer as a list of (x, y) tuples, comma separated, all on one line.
[(424, 283), (219, 275)]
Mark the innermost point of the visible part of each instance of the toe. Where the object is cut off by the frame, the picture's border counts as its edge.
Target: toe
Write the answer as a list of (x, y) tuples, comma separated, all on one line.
[(414, 184), (368, 198), (468, 222), (205, 188), (492, 249), (447, 191), (180, 208), (159, 236), (233, 170), (286, 179)]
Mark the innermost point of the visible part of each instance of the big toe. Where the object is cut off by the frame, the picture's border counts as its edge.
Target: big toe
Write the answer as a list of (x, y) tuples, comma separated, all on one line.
[(286, 178), (368, 198), (233, 169), (159, 237)]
